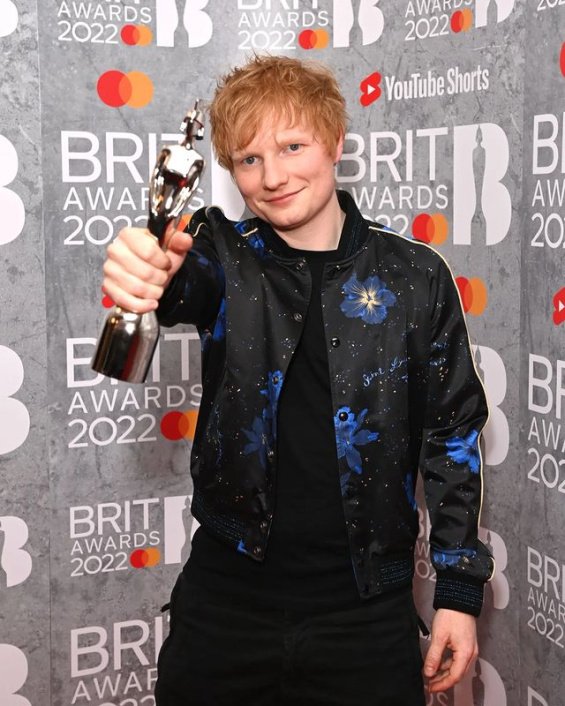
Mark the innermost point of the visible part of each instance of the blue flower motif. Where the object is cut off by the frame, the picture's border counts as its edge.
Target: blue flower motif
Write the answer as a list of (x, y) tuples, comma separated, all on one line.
[(465, 450), (368, 300), (409, 488), (349, 435), (451, 557), (241, 227), (258, 244), (220, 325), (259, 439), (272, 392)]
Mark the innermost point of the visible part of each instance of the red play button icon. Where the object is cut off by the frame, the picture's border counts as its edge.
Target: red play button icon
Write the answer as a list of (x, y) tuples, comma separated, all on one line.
[(370, 89)]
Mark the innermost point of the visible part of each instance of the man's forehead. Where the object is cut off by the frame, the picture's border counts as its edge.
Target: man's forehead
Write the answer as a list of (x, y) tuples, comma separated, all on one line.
[(277, 128)]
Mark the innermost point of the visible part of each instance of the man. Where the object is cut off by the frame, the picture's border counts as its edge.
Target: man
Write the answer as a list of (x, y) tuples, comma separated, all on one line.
[(336, 363)]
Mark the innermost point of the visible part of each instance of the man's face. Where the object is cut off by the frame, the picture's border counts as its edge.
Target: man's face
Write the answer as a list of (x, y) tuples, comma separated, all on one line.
[(286, 177)]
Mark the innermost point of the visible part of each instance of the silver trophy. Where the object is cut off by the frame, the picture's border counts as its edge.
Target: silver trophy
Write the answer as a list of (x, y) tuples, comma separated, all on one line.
[(126, 345)]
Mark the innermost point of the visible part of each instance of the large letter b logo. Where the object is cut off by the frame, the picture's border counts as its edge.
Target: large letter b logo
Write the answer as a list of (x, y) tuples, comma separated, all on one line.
[(13, 675)]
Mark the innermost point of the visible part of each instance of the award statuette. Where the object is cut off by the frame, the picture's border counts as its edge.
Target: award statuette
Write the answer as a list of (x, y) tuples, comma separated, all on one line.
[(126, 345)]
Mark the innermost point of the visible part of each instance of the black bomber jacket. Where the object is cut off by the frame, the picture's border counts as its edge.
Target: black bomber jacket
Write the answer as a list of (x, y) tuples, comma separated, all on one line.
[(405, 391)]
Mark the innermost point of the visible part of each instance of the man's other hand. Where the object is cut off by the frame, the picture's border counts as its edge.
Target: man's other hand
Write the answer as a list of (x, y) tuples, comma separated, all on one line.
[(457, 632)]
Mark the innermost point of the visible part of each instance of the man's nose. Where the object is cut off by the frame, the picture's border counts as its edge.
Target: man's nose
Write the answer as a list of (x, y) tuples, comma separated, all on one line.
[(274, 173)]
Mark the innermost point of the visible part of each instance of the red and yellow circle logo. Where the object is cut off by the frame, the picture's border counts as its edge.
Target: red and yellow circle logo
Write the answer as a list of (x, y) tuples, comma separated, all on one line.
[(473, 294), (462, 20), (117, 89), (145, 558), (313, 39), (431, 228), (179, 425), (136, 35)]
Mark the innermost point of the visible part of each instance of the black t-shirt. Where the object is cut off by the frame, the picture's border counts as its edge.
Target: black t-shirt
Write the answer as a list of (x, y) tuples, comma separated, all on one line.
[(307, 563)]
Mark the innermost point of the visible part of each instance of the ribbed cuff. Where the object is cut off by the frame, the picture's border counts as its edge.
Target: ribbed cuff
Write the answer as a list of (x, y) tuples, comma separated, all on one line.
[(455, 593)]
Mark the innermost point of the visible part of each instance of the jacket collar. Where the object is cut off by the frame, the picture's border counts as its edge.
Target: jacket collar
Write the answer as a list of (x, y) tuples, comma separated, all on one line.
[(353, 236)]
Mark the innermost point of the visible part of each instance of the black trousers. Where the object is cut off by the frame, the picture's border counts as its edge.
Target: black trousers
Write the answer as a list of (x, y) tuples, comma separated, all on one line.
[(222, 653)]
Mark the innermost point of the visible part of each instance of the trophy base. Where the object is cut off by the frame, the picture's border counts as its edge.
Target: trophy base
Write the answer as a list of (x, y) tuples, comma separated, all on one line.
[(126, 345)]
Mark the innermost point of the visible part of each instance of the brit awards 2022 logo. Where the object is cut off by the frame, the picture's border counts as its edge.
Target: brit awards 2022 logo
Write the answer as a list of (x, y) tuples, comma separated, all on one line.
[(429, 19), (114, 663), (8, 17), (285, 25), (137, 533), (109, 22), (412, 188), (13, 675), (546, 433), (545, 608)]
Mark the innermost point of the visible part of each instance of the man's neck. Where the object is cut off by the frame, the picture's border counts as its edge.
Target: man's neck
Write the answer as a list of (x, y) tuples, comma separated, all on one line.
[(321, 234)]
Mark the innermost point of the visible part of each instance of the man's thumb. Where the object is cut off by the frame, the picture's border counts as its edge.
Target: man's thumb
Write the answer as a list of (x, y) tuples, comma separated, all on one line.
[(180, 242)]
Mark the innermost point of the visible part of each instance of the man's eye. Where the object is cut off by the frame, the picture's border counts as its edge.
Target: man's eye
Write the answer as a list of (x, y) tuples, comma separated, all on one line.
[(248, 160), (294, 147)]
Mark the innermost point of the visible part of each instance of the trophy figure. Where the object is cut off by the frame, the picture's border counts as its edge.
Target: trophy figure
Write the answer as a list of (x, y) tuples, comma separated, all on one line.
[(126, 345)]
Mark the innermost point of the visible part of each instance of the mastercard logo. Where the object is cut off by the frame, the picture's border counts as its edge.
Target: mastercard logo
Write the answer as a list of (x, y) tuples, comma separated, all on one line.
[(473, 294), (145, 558), (179, 425), (562, 59), (462, 20), (430, 228), (136, 35), (313, 39), (117, 89)]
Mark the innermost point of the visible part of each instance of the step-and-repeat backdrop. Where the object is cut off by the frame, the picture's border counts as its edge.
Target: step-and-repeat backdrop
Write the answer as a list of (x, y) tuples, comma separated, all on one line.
[(457, 138)]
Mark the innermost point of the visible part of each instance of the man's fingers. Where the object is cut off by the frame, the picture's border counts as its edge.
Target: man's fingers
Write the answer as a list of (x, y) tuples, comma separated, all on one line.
[(435, 654), (137, 305), (450, 672), (138, 243)]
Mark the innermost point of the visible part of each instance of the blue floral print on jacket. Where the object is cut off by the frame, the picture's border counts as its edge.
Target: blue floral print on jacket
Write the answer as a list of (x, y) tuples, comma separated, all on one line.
[(259, 438), (368, 300), (452, 557), (465, 450), (272, 393), (349, 434)]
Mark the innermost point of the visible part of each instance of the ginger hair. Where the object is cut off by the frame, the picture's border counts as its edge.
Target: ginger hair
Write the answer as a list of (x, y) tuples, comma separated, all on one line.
[(303, 92)]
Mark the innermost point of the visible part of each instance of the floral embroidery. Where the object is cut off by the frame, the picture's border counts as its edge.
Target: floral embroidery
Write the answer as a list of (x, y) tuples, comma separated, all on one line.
[(452, 557), (465, 450), (258, 244), (368, 300), (349, 435), (272, 392), (259, 439)]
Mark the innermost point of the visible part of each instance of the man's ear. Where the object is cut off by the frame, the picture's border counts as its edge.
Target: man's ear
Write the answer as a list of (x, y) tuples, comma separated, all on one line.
[(338, 149)]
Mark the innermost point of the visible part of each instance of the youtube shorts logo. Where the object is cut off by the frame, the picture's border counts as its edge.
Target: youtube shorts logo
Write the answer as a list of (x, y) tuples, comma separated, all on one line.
[(370, 89), (559, 307)]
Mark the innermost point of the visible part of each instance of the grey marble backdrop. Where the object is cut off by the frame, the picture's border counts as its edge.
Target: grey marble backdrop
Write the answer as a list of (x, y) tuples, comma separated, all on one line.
[(456, 135)]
